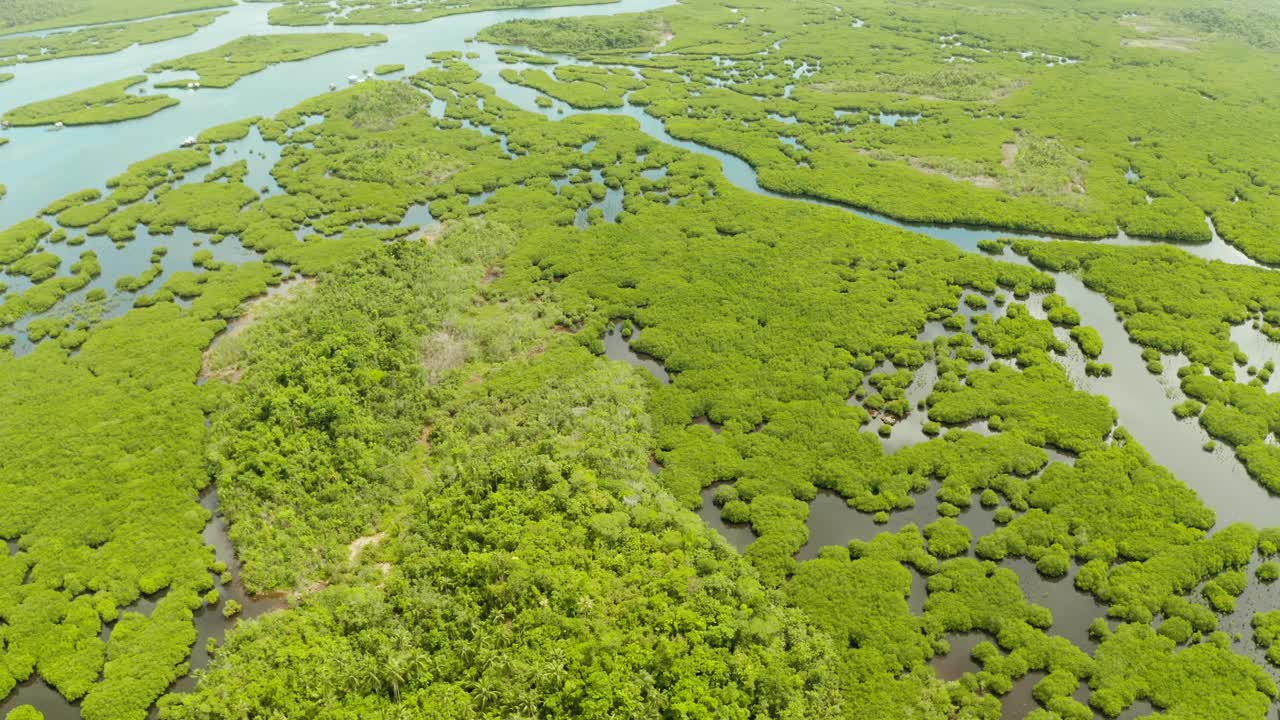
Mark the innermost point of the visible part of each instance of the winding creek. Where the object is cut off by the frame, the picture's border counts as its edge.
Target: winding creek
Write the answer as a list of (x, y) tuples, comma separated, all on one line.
[(84, 157)]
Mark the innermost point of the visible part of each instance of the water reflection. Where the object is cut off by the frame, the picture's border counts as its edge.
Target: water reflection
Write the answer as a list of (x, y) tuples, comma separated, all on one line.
[(209, 620), (892, 119), (36, 693), (739, 535), (1257, 597), (1073, 611), (617, 347), (959, 660), (1142, 402), (1144, 406), (83, 156), (1260, 349), (833, 522)]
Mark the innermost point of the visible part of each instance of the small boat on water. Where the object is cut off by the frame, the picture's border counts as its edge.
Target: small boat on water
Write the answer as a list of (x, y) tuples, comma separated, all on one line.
[(58, 125), (193, 86), (333, 86), (353, 79), (188, 142)]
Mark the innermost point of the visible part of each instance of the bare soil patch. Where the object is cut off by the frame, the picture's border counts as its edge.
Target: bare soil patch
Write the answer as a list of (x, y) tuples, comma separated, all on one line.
[(1009, 153), (359, 544), (1177, 44)]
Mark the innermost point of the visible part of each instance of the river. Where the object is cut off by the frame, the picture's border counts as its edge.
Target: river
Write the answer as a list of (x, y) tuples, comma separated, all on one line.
[(84, 157)]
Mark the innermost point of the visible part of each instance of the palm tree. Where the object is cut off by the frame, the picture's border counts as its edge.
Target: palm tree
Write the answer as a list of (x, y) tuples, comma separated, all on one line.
[(405, 667)]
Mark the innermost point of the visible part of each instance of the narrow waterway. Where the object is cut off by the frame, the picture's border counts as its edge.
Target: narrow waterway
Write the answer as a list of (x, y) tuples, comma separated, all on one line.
[(83, 157), (79, 158), (1142, 400), (210, 623)]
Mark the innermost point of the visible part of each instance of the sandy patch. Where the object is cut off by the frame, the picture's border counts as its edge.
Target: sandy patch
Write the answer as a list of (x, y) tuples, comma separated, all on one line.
[(428, 233), (359, 544), (665, 35), (982, 181), (1009, 153), (1177, 44)]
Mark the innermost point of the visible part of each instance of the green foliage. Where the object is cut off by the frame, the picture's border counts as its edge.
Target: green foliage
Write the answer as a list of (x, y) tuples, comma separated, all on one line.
[(586, 591), (1037, 403), (1187, 408), (1177, 629), (380, 108), (1135, 663), (1266, 633), (947, 538), (28, 15), (1097, 369), (1188, 310), (443, 403), (318, 453), (222, 66), (577, 35), (229, 132), (1259, 26), (379, 12), (17, 241), (992, 247), (99, 533), (997, 135), (580, 86), (101, 40), (231, 609), (1088, 340), (857, 596), (106, 103)]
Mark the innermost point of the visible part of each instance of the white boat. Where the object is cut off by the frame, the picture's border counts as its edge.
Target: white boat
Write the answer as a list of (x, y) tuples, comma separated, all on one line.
[(188, 142), (353, 79), (333, 86), (58, 125)]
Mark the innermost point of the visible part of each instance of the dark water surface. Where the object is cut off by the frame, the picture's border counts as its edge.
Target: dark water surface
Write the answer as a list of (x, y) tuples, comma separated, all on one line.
[(79, 158)]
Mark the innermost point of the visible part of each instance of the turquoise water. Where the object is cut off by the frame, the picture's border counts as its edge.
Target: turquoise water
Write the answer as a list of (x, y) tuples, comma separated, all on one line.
[(84, 157), (79, 158), (40, 166)]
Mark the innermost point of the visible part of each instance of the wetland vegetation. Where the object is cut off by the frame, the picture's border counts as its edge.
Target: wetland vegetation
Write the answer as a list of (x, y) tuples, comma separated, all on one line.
[(381, 322), (381, 12), (222, 66), (1003, 104), (106, 103), (100, 40), (29, 15)]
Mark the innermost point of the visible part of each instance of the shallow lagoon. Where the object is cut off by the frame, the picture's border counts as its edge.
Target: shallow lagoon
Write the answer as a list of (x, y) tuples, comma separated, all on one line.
[(85, 156)]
